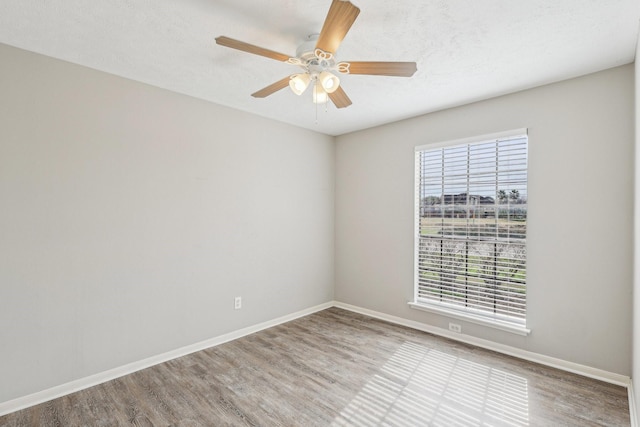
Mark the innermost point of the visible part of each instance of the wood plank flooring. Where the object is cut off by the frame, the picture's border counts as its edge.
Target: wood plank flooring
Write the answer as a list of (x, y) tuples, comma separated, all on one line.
[(337, 368)]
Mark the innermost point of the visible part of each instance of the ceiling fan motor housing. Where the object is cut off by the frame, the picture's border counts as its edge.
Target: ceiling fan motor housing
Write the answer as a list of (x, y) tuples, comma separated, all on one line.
[(313, 60)]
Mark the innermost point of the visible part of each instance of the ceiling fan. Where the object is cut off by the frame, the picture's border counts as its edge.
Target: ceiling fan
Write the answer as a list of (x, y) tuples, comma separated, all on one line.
[(317, 59)]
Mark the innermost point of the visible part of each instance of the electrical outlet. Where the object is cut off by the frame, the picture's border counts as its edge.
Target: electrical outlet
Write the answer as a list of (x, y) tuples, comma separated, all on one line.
[(455, 327), (237, 303)]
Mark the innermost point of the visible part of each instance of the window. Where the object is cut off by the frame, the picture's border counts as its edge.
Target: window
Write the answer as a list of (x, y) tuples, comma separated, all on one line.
[(471, 228)]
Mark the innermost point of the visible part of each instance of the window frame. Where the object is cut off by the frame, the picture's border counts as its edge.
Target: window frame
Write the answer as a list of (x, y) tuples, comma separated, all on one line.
[(497, 321)]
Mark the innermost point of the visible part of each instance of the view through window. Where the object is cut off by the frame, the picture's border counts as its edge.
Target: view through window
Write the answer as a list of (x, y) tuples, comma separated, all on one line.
[(472, 226)]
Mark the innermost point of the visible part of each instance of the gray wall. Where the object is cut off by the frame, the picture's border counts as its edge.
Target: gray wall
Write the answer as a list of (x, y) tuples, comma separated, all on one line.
[(580, 214), (132, 216)]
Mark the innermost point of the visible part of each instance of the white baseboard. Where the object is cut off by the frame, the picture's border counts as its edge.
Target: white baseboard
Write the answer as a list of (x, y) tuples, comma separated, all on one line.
[(633, 414), (553, 362), (92, 380)]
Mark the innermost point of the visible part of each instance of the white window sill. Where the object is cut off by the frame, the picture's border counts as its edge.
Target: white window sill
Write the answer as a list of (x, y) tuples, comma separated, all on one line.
[(472, 318)]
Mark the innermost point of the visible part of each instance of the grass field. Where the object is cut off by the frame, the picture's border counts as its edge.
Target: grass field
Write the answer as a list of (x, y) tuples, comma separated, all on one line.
[(504, 227)]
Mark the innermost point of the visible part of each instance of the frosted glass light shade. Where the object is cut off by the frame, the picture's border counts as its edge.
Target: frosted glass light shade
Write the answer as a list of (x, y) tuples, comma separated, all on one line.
[(319, 94), (329, 81), (299, 82)]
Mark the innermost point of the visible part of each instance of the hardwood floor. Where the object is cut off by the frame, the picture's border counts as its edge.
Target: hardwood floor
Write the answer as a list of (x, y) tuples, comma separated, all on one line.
[(337, 368)]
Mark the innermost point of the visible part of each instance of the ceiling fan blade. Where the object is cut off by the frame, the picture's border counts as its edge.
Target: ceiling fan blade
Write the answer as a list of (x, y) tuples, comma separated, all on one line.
[(342, 14), (246, 47), (399, 69), (340, 98), (272, 88)]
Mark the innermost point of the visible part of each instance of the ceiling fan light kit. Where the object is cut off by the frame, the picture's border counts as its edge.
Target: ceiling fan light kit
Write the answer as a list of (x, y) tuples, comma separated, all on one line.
[(317, 60)]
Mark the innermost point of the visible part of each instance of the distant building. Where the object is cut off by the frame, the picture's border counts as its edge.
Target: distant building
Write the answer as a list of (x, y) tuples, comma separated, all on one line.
[(465, 198), (453, 206)]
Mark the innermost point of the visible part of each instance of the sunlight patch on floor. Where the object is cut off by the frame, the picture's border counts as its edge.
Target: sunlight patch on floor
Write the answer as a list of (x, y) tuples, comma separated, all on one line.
[(422, 386)]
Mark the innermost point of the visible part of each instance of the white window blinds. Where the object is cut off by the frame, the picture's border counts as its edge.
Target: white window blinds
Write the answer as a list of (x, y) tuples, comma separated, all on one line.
[(471, 225)]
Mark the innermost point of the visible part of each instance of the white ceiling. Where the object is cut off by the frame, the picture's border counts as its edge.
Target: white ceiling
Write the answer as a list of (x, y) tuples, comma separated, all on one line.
[(466, 50)]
